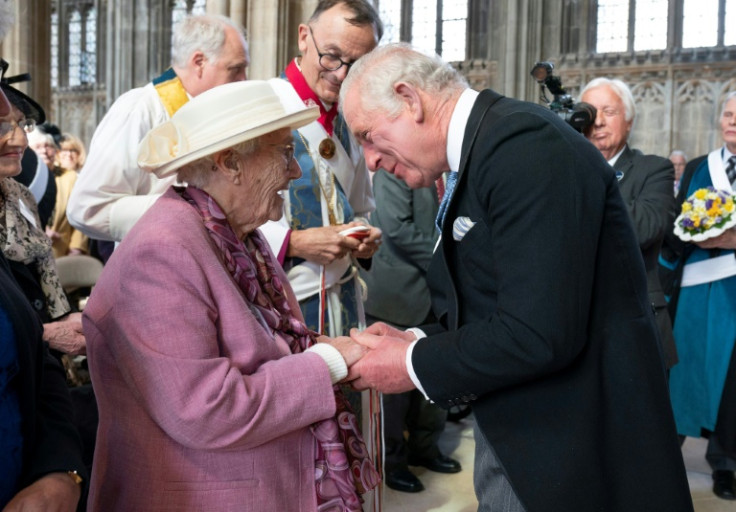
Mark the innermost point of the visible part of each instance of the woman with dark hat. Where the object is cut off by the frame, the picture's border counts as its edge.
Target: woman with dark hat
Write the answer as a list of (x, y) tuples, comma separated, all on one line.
[(39, 447), (23, 240)]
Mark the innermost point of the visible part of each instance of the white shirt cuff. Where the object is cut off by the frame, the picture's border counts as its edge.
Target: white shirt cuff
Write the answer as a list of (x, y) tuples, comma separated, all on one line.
[(419, 334), (334, 360)]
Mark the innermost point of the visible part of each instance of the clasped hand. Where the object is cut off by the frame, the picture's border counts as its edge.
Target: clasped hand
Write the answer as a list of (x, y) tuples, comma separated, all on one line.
[(382, 364)]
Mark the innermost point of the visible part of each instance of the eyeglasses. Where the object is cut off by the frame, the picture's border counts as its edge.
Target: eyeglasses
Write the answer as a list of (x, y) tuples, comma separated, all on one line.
[(8, 127), (329, 61)]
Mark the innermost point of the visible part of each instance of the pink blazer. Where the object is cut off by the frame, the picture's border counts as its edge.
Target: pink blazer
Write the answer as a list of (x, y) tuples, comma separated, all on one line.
[(200, 408)]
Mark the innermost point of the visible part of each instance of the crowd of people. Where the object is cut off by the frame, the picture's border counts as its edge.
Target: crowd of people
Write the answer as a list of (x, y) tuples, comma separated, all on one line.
[(302, 274)]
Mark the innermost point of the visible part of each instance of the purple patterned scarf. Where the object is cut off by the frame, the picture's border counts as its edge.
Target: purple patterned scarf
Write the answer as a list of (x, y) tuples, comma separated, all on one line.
[(343, 469)]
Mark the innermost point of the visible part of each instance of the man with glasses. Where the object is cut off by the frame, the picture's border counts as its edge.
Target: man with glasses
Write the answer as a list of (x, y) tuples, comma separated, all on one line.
[(334, 192)]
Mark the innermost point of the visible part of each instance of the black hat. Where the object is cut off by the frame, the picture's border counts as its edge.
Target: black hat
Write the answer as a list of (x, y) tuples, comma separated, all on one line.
[(29, 107)]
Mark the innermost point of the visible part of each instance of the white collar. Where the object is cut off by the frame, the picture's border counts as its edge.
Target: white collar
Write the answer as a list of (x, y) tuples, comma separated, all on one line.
[(726, 155), (612, 161), (456, 130)]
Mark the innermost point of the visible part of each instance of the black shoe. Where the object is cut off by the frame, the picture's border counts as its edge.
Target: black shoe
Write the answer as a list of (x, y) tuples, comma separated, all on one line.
[(723, 484), (403, 480), (440, 464)]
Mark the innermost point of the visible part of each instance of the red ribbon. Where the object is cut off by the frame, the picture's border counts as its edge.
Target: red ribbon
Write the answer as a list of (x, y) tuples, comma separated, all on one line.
[(306, 93)]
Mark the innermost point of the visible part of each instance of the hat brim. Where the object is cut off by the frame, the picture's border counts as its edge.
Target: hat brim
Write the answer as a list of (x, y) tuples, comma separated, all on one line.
[(25, 104), (162, 170)]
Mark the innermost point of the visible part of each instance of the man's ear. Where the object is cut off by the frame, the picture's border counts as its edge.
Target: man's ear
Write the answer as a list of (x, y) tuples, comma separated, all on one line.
[(198, 60), (302, 38), (410, 95)]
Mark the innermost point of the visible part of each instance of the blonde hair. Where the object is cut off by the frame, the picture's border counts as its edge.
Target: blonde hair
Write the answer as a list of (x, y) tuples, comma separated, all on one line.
[(73, 143)]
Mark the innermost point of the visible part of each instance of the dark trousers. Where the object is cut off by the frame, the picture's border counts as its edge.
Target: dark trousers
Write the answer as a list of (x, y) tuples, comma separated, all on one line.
[(424, 422), (721, 452)]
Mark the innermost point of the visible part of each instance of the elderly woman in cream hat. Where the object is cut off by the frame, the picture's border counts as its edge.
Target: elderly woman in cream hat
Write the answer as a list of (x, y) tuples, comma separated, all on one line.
[(213, 395)]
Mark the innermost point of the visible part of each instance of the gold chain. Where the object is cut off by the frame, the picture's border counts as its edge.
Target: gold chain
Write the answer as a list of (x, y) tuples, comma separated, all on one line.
[(331, 197)]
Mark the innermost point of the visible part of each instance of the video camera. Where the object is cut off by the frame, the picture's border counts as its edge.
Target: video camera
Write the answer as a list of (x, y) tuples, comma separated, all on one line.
[(580, 116)]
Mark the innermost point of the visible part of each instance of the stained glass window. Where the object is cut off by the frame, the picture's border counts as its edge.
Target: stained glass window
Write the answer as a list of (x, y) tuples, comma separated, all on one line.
[(613, 26), (390, 13), (75, 49), (54, 49), (89, 56), (426, 25), (700, 23), (651, 25), (454, 26)]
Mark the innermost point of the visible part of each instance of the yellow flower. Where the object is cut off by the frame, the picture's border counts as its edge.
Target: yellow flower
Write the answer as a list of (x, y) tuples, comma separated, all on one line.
[(686, 207), (701, 193)]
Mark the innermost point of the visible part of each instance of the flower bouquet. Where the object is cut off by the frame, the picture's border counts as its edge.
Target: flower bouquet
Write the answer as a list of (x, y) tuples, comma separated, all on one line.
[(707, 213)]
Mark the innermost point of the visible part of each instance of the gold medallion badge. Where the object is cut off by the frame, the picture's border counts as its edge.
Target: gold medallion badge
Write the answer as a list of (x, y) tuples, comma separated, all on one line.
[(327, 148)]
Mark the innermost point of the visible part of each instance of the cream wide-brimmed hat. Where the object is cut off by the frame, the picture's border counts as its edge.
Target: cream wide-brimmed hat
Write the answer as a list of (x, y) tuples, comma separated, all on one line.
[(220, 118)]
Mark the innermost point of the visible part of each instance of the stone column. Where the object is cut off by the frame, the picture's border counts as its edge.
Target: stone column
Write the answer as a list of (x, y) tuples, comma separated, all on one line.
[(138, 43), (27, 48), (266, 19)]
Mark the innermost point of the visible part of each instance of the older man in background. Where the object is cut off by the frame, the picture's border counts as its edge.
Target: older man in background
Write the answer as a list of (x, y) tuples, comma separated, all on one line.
[(646, 183), (111, 193)]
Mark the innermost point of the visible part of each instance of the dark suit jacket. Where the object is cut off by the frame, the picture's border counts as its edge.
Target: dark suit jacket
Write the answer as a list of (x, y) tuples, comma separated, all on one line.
[(646, 187), (545, 321), (397, 281), (51, 442)]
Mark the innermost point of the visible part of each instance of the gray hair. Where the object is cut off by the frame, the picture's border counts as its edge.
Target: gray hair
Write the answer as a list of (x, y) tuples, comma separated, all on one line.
[(622, 91), (7, 17), (38, 135), (198, 173), (377, 72), (731, 95), (363, 13), (204, 33), (678, 152)]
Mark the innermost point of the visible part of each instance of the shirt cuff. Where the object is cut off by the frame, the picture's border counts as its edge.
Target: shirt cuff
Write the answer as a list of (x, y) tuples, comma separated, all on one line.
[(419, 334), (333, 359)]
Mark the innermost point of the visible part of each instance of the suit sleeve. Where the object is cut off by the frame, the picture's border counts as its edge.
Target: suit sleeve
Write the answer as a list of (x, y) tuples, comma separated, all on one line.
[(523, 275), (396, 220), (171, 325), (652, 206)]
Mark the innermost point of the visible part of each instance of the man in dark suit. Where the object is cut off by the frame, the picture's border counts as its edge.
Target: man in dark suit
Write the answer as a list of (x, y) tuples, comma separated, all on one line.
[(539, 287), (398, 294), (646, 183)]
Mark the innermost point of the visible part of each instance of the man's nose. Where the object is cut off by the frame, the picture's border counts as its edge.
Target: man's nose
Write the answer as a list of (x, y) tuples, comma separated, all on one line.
[(372, 158)]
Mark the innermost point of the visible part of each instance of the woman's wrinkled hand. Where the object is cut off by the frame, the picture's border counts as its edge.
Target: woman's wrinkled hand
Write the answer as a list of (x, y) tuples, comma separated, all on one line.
[(66, 335)]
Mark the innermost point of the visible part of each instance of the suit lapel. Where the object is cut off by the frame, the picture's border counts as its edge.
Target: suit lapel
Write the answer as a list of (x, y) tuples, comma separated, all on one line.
[(624, 165), (482, 107), (486, 99)]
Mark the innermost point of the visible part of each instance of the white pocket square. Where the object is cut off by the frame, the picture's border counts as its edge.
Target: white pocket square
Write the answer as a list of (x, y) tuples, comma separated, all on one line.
[(460, 227)]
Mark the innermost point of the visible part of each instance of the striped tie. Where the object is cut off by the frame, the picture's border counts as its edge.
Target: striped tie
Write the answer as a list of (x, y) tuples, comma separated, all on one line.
[(731, 170), (449, 187)]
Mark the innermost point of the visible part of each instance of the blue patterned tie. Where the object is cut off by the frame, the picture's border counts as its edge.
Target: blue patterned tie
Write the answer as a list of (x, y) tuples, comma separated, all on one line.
[(449, 187)]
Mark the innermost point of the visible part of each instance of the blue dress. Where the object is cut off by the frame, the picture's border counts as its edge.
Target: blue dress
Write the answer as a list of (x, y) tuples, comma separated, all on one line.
[(705, 333), (11, 439)]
